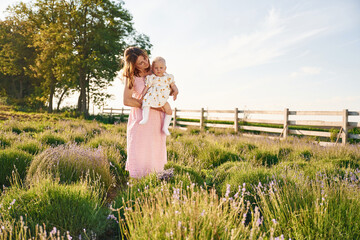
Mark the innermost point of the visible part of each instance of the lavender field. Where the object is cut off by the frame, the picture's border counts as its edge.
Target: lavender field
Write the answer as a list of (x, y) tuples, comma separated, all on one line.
[(64, 178)]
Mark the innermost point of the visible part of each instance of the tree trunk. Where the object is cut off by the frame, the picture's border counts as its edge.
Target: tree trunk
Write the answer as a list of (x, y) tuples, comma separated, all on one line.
[(51, 96), (82, 99), (88, 90), (20, 88), (61, 98)]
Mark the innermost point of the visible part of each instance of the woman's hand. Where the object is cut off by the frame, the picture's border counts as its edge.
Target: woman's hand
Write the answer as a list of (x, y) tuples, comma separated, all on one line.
[(159, 109)]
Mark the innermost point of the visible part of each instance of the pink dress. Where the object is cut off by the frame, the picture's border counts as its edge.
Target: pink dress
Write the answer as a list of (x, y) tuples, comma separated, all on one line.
[(146, 144)]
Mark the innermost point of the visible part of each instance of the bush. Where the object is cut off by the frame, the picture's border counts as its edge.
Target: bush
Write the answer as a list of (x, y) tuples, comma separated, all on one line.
[(117, 164), (306, 155), (213, 156), (284, 153), (265, 158), (11, 160), (347, 163), (194, 176), (245, 147), (71, 163), (70, 208), (79, 138), (321, 208), (52, 140), (174, 212), (4, 142), (244, 175), (108, 140), (32, 147)]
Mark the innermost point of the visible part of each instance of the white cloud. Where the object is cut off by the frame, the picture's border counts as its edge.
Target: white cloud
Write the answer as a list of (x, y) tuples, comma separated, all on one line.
[(274, 37), (306, 71)]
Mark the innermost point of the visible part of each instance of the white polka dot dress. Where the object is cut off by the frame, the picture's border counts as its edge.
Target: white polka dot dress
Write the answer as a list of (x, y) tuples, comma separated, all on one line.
[(159, 92)]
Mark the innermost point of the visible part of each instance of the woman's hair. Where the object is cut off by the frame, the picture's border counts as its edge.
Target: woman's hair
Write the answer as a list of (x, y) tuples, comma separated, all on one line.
[(131, 54)]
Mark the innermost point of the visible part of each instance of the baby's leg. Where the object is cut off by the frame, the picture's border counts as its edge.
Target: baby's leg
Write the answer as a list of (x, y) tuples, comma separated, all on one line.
[(167, 119), (145, 113), (167, 109)]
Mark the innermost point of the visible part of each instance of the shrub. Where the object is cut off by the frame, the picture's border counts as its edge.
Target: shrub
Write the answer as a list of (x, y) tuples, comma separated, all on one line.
[(52, 140), (11, 160), (321, 208), (117, 164), (347, 163), (32, 147), (194, 176), (306, 155), (334, 134), (4, 142), (71, 163), (245, 147), (213, 156), (240, 176), (108, 140), (28, 128), (78, 138), (193, 130), (265, 158), (172, 154), (175, 212), (284, 153), (70, 208)]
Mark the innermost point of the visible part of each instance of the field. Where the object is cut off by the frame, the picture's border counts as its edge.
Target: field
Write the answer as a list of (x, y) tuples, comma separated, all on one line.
[(64, 178)]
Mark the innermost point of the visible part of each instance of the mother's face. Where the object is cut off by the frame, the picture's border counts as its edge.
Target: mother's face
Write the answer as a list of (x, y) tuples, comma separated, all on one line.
[(142, 63)]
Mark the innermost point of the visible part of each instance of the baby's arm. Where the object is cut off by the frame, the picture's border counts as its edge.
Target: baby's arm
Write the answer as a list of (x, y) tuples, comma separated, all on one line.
[(144, 92), (174, 90), (148, 84)]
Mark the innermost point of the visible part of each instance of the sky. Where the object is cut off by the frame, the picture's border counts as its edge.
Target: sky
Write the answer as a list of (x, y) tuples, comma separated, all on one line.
[(257, 55)]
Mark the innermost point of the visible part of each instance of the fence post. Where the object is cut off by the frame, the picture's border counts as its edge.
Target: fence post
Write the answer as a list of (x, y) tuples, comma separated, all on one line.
[(174, 118), (202, 118), (286, 120), (236, 120), (345, 126), (110, 114)]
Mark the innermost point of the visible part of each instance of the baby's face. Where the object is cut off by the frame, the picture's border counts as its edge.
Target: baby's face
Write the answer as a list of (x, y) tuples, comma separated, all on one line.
[(159, 68)]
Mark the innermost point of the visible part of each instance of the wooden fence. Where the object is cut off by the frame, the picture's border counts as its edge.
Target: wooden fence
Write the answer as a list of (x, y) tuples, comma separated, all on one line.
[(282, 128)]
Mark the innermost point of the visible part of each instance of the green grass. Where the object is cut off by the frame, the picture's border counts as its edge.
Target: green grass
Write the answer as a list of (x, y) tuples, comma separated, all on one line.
[(71, 164), (277, 185), (13, 160), (73, 207), (323, 208)]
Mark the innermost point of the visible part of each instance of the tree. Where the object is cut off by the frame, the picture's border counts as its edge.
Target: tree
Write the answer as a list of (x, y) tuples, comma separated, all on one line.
[(102, 27), (77, 45), (16, 55), (53, 43)]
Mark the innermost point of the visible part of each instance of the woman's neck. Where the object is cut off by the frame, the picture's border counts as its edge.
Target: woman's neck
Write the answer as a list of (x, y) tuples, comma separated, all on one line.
[(143, 73)]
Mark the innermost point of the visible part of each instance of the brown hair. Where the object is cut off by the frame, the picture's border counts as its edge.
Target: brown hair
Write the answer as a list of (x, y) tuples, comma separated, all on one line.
[(131, 54)]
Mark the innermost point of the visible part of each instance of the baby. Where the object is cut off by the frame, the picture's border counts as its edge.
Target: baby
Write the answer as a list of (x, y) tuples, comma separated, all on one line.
[(156, 92)]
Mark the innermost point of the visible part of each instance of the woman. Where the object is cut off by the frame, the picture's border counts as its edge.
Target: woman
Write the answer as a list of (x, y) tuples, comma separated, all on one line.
[(146, 144)]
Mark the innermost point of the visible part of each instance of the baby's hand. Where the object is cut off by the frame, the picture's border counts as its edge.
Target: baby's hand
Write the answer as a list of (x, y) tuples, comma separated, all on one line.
[(174, 94)]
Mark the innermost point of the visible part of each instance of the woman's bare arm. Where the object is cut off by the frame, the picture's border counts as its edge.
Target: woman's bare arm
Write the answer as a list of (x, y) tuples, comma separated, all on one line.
[(129, 100)]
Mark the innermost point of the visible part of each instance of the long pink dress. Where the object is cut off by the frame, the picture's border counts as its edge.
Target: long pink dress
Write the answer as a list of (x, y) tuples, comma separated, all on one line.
[(146, 144)]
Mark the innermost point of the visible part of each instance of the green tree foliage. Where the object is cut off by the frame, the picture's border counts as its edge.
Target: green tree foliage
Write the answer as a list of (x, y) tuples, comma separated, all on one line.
[(16, 56), (76, 46)]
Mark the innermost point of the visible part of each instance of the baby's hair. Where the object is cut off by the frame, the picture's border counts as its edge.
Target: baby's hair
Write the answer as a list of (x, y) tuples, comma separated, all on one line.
[(159, 59)]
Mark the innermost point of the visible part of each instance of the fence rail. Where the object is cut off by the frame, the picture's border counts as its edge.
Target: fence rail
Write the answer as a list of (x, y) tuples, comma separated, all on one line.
[(283, 127)]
